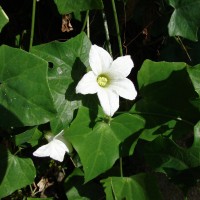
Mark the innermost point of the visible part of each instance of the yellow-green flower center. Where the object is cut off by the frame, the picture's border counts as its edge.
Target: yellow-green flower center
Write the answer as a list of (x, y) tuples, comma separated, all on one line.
[(102, 80)]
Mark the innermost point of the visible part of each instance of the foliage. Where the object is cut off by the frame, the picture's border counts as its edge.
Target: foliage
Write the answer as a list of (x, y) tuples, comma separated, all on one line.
[(4, 18), (180, 23), (122, 157)]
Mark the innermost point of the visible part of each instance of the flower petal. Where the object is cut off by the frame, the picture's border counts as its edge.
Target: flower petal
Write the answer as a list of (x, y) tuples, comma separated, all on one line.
[(121, 67), (124, 88), (99, 59), (109, 101), (88, 84), (58, 149), (55, 149), (60, 137), (42, 151)]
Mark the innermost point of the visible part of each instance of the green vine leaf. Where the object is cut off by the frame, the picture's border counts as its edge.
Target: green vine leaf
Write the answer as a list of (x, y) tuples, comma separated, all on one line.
[(25, 98), (164, 154), (30, 136), (65, 7), (192, 155), (166, 92), (185, 19), (15, 172), (68, 61), (134, 187), (194, 73), (98, 147)]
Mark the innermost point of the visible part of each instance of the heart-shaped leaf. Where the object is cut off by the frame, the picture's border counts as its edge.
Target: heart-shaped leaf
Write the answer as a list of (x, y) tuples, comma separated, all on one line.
[(68, 61), (166, 92), (25, 98), (98, 147)]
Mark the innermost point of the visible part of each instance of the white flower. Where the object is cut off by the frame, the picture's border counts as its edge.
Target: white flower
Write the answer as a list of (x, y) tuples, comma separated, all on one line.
[(107, 79), (56, 148)]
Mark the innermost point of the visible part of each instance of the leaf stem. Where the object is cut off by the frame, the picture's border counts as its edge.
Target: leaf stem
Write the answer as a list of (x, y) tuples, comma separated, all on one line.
[(121, 54), (19, 150), (121, 166), (106, 32), (117, 28), (85, 21), (88, 26), (32, 24)]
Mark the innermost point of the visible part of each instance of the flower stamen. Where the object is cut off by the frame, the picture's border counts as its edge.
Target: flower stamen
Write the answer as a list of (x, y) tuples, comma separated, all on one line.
[(102, 80)]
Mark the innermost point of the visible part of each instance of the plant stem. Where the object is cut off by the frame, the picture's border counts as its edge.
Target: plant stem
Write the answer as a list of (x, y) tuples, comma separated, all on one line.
[(106, 32), (121, 54), (32, 24), (117, 27), (88, 26), (121, 166), (85, 21)]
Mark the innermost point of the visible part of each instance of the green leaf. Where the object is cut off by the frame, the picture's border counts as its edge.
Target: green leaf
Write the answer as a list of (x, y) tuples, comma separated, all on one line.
[(3, 18), (140, 187), (166, 92), (185, 19), (192, 155), (163, 153), (15, 172), (98, 147), (30, 136), (65, 7), (152, 72), (194, 73), (68, 62), (25, 98), (131, 124), (165, 102)]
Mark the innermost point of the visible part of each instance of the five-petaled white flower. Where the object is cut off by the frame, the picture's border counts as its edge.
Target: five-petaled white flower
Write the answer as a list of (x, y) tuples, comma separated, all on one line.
[(56, 148), (107, 79)]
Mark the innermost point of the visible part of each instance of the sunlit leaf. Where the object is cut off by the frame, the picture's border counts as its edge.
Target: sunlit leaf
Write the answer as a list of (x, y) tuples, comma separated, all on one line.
[(194, 73), (98, 147), (25, 98), (3, 18), (68, 61), (15, 172)]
